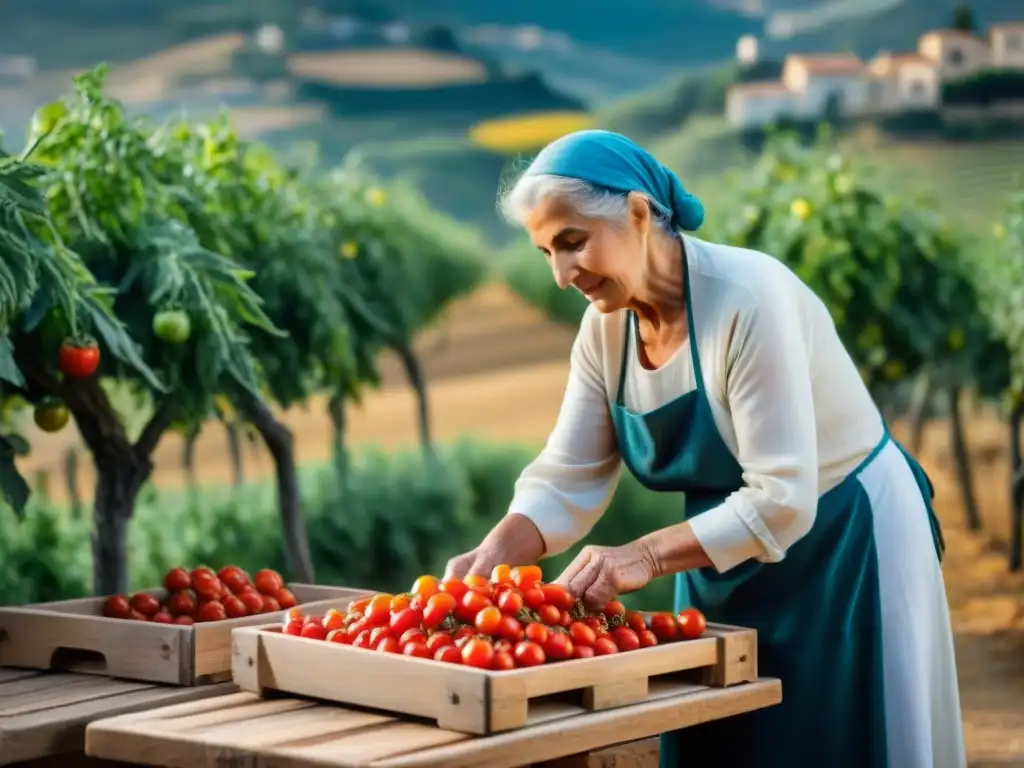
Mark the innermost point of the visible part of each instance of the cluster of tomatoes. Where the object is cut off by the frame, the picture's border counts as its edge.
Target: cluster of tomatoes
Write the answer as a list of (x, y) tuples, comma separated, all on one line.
[(204, 595), (511, 620)]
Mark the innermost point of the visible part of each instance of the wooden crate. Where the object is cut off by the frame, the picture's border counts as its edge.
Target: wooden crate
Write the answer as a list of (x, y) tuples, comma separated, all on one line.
[(478, 701), (73, 635)]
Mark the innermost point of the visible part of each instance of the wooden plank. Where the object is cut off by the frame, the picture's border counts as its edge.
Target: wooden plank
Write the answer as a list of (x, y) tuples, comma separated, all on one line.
[(476, 701), (43, 715), (73, 635), (298, 733), (635, 754)]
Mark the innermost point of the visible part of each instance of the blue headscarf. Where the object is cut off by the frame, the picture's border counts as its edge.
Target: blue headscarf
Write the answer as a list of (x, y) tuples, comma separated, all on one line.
[(611, 161)]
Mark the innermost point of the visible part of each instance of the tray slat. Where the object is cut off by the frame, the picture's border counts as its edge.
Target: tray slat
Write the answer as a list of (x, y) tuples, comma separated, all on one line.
[(74, 635)]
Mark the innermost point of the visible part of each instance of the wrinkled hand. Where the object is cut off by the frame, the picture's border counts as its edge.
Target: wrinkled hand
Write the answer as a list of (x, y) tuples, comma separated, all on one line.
[(479, 561), (600, 574)]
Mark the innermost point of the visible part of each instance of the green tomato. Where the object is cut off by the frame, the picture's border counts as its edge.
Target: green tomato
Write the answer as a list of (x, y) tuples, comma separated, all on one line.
[(45, 118), (51, 416), (172, 326)]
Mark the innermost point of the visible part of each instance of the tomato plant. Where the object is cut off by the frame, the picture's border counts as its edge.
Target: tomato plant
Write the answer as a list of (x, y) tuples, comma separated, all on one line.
[(78, 360), (51, 415), (172, 326)]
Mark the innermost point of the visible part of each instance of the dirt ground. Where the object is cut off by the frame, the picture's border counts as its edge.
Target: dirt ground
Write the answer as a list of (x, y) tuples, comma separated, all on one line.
[(498, 371)]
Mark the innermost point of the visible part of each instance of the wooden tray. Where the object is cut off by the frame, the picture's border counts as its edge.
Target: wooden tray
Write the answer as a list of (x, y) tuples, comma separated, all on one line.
[(477, 701), (73, 635)]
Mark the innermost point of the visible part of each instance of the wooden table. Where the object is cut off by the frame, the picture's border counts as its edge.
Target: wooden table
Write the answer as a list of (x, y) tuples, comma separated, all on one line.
[(43, 715), (244, 729)]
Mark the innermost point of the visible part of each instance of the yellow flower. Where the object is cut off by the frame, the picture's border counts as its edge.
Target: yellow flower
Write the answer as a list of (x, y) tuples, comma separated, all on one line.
[(999, 231), (956, 339), (376, 196), (893, 369), (349, 250), (800, 208)]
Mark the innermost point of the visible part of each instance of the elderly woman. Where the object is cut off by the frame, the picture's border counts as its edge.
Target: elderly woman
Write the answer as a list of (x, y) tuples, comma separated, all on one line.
[(715, 372)]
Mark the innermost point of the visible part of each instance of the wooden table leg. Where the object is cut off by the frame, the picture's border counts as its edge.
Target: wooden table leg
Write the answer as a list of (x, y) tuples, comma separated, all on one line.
[(633, 754)]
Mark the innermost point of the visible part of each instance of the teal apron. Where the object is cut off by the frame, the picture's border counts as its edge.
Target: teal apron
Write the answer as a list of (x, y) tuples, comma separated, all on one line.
[(817, 612)]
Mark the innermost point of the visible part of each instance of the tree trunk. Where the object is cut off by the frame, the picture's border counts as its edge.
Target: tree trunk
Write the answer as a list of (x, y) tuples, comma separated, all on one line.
[(1016, 489), (339, 454), (414, 373), (71, 482), (920, 411), (279, 441), (958, 443), (121, 466), (188, 460), (235, 451)]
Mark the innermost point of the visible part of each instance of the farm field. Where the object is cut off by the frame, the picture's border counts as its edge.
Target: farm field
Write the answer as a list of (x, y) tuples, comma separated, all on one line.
[(498, 370)]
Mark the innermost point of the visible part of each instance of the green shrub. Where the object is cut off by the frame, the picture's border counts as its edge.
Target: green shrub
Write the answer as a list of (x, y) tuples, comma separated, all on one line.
[(399, 516)]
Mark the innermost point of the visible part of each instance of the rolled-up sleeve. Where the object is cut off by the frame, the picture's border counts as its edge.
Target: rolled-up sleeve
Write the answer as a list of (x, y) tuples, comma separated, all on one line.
[(768, 388), (568, 487)]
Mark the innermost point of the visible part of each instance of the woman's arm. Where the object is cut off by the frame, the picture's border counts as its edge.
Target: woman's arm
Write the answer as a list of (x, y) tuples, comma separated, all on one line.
[(567, 488)]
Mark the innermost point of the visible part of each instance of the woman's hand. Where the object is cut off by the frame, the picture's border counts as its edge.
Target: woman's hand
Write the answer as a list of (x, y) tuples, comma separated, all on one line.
[(515, 540), (600, 574)]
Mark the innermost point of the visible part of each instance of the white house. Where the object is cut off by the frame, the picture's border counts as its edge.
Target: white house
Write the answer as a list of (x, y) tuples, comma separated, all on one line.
[(749, 105), (812, 85), (903, 81), (1006, 42), (957, 53), (826, 82)]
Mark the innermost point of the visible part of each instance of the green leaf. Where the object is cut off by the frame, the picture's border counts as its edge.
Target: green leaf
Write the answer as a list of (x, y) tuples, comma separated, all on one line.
[(9, 370), (13, 488)]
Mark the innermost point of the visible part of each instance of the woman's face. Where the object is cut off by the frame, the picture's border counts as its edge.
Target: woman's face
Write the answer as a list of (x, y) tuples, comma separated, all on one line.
[(602, 260)]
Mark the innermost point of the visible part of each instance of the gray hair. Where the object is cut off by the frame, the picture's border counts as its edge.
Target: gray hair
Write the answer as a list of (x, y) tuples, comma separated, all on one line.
[(517, 200)]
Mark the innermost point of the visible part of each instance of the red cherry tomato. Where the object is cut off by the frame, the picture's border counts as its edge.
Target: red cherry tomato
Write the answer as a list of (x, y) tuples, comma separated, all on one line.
[(604, 645), (558, 596), (510, 602), (448, 654), (691, 623), (582, 634), (537, 633), (558, 647), (647, 638), (582, 651), (502, 661), (550, 615), (417, 649), (78, 361), (625, 639), (528, 654), (477, 652), (665, 627)]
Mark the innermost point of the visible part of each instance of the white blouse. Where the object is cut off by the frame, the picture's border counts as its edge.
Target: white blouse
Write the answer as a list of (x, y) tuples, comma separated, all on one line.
[(787, 399)]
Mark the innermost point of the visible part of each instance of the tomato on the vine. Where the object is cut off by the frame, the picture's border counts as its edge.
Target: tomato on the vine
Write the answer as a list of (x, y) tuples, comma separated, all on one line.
[(51, 415), (691, 623), (528, 654), (664, 627), (558, 596), (558, 646), (582, 634), (438, 608), (625, 639), (455, 587), (78, 360), (533, 597), (510, 628), (549, 614), (537, 632), (647, 638), (488, 620), (425, 586), (501, 574), (526, 576), (502, 661), (449, 654), (635, 621), (613, 609), (172, 326), (404, 620), (439, 640), (477, 652), (510, 602)]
